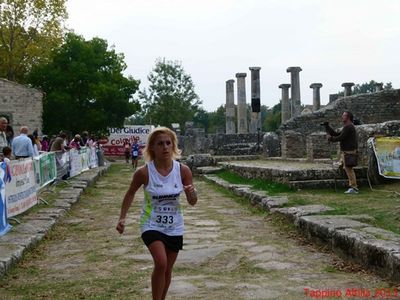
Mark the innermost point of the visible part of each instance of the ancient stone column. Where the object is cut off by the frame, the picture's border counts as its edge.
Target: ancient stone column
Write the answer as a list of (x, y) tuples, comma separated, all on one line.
[(347, 88), (255, 123), (378, 86), (241, 105), (295, 90), (286, 111), (316, 95), (230, 108)]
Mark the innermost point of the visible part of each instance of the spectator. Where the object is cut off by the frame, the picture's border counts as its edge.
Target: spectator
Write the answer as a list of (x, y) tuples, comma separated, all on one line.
[(45, 143), (37, 140), (76, 142), (7, 154), (85, 138), (22, 145), (58, 143), (34, 145), (3, 136), (9, 134)]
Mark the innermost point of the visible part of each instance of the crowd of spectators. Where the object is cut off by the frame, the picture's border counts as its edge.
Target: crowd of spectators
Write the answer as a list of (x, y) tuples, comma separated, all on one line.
[(30, 144)]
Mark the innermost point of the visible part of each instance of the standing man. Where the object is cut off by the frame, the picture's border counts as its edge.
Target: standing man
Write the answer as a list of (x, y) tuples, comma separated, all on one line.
[(348, 146), (22, 145), (3, 137)]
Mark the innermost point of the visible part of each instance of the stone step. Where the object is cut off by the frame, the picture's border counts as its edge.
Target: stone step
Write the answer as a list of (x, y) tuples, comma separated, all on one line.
[(325, 183), (208, 170), (284, 173)]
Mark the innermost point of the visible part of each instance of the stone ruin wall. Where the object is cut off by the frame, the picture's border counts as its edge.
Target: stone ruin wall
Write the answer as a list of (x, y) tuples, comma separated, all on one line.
[(219, 144), (303, 136), (21, 105)]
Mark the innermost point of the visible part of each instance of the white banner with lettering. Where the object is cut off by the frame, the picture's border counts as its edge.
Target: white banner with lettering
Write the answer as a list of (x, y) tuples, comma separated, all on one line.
[(117, 136), (21, 190)]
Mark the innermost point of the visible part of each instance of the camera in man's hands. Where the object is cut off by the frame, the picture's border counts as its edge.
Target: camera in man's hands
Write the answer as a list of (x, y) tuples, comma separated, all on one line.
[(326, 124)]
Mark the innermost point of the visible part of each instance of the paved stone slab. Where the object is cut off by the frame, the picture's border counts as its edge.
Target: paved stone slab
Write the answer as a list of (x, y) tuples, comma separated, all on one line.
[(274, 201), (35, 226), (25, 240), (304, 210)]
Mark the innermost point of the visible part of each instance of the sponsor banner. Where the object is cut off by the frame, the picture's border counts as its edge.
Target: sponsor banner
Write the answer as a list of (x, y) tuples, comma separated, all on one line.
[(4, 226), (85, 156), (62, 163), (75, 162), (93, 159), (21, 191), (45, 168), (387, 152), (117, 136)]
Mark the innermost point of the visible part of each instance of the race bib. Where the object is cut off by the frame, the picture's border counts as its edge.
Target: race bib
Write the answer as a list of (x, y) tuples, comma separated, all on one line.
[(164, 216)]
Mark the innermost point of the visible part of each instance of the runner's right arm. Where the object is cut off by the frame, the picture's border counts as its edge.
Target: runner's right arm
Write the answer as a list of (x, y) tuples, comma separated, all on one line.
[(139, 178)]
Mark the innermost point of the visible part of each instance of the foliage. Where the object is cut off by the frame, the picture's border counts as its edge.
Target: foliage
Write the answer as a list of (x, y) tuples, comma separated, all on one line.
[(217, 119), (367, 87), (171, 97), (29, 31), (85, 88), (273, 118), (202, 119)]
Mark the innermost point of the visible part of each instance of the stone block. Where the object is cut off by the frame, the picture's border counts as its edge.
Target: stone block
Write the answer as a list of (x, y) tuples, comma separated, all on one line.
[(323, 227), (34, 226), (62, 203), (274, 201), (25, 240)]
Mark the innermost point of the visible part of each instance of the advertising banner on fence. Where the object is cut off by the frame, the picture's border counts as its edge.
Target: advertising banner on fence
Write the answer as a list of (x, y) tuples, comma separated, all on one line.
[(75, 162), (62, 163), (387, 151), (4, 226), (115, 140), (45, 168), (93, 160), (21, 191), (85, 157)]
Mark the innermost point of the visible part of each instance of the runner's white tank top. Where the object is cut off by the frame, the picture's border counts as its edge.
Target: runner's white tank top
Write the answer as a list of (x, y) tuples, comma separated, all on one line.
[(161, 208)]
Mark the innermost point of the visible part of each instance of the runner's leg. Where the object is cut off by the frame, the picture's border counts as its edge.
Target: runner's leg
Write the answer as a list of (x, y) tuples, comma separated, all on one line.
[(159, 254), (171, 258)]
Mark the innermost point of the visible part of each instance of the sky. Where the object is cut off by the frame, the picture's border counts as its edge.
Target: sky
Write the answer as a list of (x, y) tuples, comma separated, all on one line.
[(333, 41)]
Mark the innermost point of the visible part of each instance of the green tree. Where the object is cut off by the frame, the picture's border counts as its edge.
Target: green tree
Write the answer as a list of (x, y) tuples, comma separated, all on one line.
[(216, 119), (171, 97), (201, 119), (29, 31), (85, 88), (272, 120), (367, 87)]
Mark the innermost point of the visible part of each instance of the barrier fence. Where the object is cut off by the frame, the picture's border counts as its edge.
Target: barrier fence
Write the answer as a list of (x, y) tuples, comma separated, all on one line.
[(21, 180)]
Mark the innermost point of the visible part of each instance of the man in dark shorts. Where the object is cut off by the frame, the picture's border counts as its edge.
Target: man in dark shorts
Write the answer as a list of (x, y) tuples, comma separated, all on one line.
[(348, 145)]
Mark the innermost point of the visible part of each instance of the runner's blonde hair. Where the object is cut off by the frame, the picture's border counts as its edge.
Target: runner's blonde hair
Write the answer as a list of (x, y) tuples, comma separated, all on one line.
[(149, 153)]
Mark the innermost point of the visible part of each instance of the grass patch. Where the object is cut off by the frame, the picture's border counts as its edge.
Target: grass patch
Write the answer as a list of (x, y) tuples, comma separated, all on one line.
[(382, 205), (330, 269), (258, 184)]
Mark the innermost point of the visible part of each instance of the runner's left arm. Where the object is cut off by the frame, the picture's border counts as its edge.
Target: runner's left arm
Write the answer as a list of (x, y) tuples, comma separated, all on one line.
[(187, 181)]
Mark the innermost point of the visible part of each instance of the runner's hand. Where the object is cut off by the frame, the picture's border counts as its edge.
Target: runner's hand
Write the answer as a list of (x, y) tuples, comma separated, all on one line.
[(121, 226), (189, 189)]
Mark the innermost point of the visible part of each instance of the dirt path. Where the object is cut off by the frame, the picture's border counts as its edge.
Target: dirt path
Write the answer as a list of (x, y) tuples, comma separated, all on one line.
[(229, 253)]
